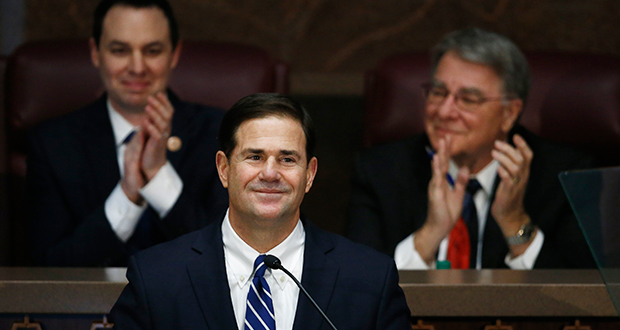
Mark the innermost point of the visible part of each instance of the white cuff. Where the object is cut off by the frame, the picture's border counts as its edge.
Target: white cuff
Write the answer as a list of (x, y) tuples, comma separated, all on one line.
[(528, 258), (163, 190), (406, 256), (122, 213)]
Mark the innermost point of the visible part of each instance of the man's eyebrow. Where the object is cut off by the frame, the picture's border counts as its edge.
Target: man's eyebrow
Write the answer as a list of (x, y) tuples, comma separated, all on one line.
[(253, 151), (117, 43), (154, 44), (467, 90), (122, 43), (437, 83), (290, 153), (471, 90)]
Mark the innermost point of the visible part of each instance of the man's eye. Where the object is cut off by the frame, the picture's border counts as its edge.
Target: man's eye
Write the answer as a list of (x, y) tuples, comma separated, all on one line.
[(470, 99), (288, 160), (118, 51), (154, 51), (438, 92), (255, 157)]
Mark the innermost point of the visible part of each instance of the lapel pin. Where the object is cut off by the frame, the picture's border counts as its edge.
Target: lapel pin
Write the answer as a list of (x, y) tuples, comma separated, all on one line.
[(174, 143)]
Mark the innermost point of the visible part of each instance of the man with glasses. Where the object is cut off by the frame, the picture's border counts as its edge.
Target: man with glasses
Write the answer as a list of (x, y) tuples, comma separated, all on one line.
[(476, 190)]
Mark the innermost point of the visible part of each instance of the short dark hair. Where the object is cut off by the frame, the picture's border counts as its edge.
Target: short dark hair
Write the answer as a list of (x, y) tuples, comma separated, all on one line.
[(105, 6), (263, 105), (493, 50)]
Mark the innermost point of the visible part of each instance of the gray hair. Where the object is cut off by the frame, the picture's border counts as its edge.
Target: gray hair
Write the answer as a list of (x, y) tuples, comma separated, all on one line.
[(490, 49)]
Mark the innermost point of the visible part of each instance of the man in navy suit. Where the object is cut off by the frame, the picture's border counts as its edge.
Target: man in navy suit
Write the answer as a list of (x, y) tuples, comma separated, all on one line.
[(133, 169), (202, 280), (409, 197)]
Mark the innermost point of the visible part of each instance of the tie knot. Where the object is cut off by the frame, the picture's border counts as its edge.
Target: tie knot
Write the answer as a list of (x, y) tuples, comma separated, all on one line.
[(128, 137), (259, 266), (473, 186)]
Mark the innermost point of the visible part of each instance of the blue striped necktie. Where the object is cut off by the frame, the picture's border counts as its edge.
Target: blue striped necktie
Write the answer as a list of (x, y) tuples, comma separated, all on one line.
[(259, 311)]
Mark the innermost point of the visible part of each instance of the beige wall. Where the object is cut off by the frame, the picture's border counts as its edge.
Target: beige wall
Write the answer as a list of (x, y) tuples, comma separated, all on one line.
[(329, 44)]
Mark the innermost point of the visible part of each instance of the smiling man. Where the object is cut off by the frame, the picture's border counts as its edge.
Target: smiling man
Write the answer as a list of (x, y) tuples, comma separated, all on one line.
[(133, 169), (477, 189), (210, 279)]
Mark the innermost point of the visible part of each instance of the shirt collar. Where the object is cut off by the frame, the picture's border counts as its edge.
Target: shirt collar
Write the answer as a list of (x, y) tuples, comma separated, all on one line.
[(240, 256), (120, 126), (486, 177)]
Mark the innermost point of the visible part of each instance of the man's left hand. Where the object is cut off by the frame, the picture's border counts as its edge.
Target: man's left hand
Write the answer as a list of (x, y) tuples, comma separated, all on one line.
[(157, 128), (514, 172)]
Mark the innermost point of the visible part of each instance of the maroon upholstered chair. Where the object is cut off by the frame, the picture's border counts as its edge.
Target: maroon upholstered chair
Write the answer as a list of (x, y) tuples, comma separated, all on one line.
[(49, 78), (575, 99)]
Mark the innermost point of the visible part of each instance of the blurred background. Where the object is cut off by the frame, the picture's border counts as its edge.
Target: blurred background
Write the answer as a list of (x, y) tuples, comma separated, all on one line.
[(329, 45)]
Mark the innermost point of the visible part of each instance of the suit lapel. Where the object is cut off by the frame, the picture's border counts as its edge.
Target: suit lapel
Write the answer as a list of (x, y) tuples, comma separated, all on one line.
[(207, 273), (99, 146), (319, 277), (494, 248), (420, 173), (181, 124)]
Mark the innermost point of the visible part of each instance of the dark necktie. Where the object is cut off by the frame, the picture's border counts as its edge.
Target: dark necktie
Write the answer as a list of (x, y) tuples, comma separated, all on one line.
[(463, 241), (259, 312)]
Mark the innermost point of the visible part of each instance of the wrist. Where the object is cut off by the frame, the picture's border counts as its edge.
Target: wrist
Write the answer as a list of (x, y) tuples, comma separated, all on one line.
[(427, 240), (523, 236), (149, 174), (510, 225), (133, 196)]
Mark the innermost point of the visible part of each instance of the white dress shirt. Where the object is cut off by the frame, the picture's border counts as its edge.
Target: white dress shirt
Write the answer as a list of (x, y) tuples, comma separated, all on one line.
[(161, 192), (407, 257), (240, 258)]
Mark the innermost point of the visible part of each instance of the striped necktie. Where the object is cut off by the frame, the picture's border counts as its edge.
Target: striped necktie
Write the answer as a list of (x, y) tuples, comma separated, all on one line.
[(259, 313)]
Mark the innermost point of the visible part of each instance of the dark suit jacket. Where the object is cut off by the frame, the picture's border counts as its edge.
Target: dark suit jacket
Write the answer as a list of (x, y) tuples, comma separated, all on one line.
[(73, 168), (390, 197), (182, 285)]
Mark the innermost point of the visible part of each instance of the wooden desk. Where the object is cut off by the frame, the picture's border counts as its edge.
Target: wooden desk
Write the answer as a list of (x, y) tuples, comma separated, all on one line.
[(507, 293), (449, 299), (60, 290)]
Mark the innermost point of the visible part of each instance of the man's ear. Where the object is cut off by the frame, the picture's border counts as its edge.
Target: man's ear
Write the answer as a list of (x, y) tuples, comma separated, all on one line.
[(176, 54), (511, 114), (311, 173), (94, 52), (221, 162)]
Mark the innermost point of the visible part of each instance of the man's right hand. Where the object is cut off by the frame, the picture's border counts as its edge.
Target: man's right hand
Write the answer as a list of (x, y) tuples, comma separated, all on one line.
[(133, 179), (445, 204)]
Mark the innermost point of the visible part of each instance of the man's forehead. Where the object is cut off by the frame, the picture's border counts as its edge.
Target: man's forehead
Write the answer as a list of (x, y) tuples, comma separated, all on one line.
[(282, 128), (456, 73), (126, 22)]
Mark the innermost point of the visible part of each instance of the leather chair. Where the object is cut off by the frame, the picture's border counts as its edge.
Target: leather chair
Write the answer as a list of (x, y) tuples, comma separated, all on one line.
[(50, 78), (575, 99)]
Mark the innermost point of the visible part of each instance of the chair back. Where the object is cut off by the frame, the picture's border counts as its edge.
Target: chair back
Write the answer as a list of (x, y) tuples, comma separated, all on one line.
[(574, 98)]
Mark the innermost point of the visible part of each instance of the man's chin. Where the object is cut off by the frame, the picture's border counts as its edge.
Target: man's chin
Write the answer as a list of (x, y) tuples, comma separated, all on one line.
[(134, 103)]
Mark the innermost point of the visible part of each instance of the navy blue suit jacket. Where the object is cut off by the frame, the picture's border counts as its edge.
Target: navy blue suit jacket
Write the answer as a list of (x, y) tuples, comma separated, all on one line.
[(389, 201), (182, 285), (73, 168)]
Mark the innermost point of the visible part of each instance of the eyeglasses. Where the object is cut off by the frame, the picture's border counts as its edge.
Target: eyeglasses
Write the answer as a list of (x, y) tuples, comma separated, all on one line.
[(464, 100)]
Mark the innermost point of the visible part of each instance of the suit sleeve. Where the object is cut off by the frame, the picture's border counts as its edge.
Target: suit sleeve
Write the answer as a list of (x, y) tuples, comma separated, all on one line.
[(130, 310), (565, 245), (364, 223), (60, 235), (203, 198), (393, 310), (195, 209)]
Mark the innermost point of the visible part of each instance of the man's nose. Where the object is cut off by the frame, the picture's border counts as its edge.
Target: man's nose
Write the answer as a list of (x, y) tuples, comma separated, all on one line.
[(447, 108), (270, 171), (136, 63)]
